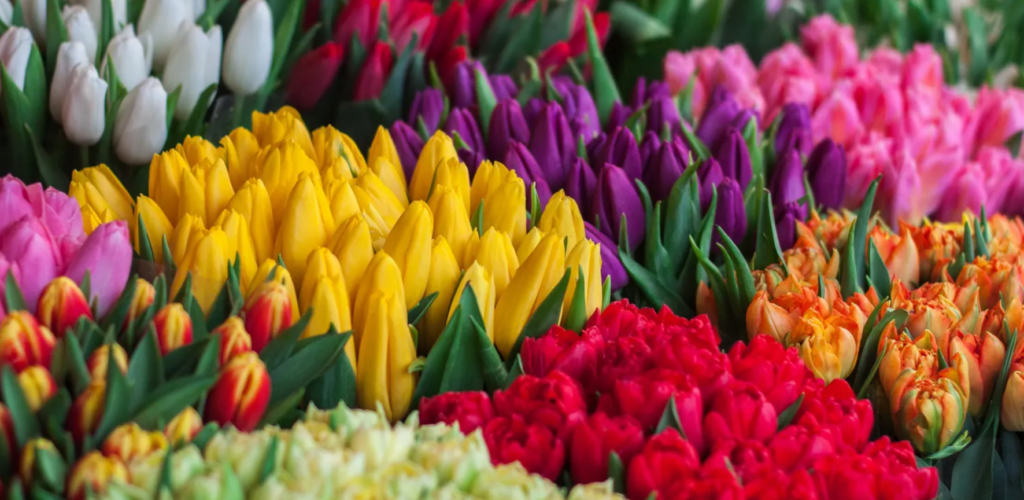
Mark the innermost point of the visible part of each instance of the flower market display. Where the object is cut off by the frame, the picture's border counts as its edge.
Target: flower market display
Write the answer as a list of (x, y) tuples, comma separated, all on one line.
[(435, 250)]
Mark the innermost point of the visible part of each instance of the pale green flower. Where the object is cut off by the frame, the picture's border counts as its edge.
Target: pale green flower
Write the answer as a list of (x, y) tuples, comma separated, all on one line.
[(244, 452), (186, 463), (512, 482), (454, 460)]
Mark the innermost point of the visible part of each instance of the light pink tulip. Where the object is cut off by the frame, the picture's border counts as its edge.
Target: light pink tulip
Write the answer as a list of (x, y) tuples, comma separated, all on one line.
[(899, 193), (107, 255), (837, 118), (28, 244), (880, 106), (866, 160), (998, 114), (787, 75), (730, 68), (58, 212), (885, 63), (968, 194), (832, 46)]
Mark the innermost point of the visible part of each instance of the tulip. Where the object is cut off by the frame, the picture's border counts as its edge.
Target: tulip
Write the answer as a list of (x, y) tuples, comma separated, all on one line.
[(194, 64), (507, 124), (374, 73), (984, 355), (621, 150), (330, 304), (99, 360), (580, 183), (352, 245), (794, 129), (734, 158), (61, 304), (710, 175), (561, 217), (15, 48), (436, 151), (267, 312), (826, 169), (519, 160), (461, 121), (927, 412), (34, 17), (390, 175), (370, 191), (131, 56), (253, 202), (184, 427), (462, 87), (666, 167), (611, 266), (313, 75), (617, 196), (69, 56), (166, 170), (731, 214), (450, 221), (828, 346), (240, 246), (92, 473), (586, 255), (536, 277), (37, 385), (80, 29), (765, 317), (592, 444), (188, 231), (382, 275), (482, 283), (720, 114), (383, 148), (87, 410), (249, 49), (140, 128), (234, 340), (95, 8), (241, 394), (786, 217), (130, 442), (158, 226), (662, 461), (142, 298), (787, 180), (173, 327), (383, 379), (193, 194), (552, 144), (29, 242), (1012, 410), (408, 144), (428, 105), (306, 224), (163, 21), (409, 244), (496, 253), (107, 256), (360, 18), (443, 280)]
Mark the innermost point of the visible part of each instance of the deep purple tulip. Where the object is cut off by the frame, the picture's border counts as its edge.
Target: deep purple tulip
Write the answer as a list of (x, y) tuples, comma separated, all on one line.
[(639, 93), (580, 185), (552, 144), (786, 216), (739, 122), (429, 105), (648, 148), (719, 116), (507, 124), (709, 176), (826, 169), (734, 158), (617, 117), (794, 129), (472, 159), (519, 159), (461, 121), (463, 92), (664, 170), (532, 111), (409, 145), (579, 108), (503, 86), (610, 263), (664, 113), (787, 182), (731, 213), (595, 145), (621, 149), (617, 195)]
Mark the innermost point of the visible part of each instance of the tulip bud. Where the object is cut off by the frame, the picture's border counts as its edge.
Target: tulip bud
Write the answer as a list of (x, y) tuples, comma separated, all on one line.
[(826, 168), (173, 327), (241, 394), (482, 283), (409, 245), (611, 266), (95, 9), (131, 56), (194, 64), (984, 355), (828, 346), (306, 224), (383, 275), (234, 340), (586, 255), (83, 112), (328, 144), (734, 158), (165, 172), (710, 175), (794, 129), (249, 49), (240, 149), (99, 359), (61, 304), (80, 29), (313, 75), (580, 183), (383, 378), (495, 252), (38, 386), (536, 277), (92, 473), (29, 245), (720, 113), (374, 72), (450, 221), (253, 202), (787, 181), (87, 410), (553, 146), (507, 124), (428, 105), (436, 151), (140, 128), (107, 256), (666, 166), (621, 150), (267, 312), (519, 160), (372, 195), (162, 20), (34, 17), (786, 217), (34, 447), (184, 427), (408, 144), (69, 56), (731, 214), (23, 342), (460, 121), (240, 245), (443, 279), (207, 260), (617, 196), (15, 49), (927, 412), (562, 217), (1012, 410), (130, 442)]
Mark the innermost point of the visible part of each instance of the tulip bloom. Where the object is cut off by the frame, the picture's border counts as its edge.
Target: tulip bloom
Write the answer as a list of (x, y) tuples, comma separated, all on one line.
[(443, 279), (130, 442), (585, 256), (131, 55), (61, 304), (140, 128), (81, 30), (385, 353), (313, 74), (249, 49), (173, 327), (193, 62), (87, 410), (38, 386), (92, 473), (99, 360), (482, 283), (409, 244), (234, 340), (23, 342), (562, 217), (106, 255), (927, 412), (534, 280), (382, 275), (617, 197), (241, 394), (182, 428), (69, 57), (267, 312), (375, 72)]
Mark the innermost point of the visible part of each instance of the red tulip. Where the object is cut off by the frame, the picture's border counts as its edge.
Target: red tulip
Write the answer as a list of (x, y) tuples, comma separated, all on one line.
[(837, 406), (574, 354), (451, 26), (472, 410), (512, 439), (645, 397), (554, 401), (267, 312), (24, 342), (61, 304), (417, 17), (375, 72), (666, 458), (740, 412), (241, 394), (481, 15), (360, 18), (87, 410), (234, 340), (777, 371), (578, 41), (593, 441), (797, 448), (313, 74), (173, 327), (554, 58)]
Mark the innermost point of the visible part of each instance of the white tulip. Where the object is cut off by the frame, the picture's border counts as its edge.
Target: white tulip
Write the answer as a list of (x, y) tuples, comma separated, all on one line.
[(69, 57), (198, 8), (84, 115), (95, 8), (6, 11), (34, 14), (132, 57), (161, 20), (15, 49), (194, 64), (81, 29), (140, 128), (249, 49)]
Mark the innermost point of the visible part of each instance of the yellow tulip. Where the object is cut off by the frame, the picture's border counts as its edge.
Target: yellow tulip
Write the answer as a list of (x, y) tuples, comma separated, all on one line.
[(828, 346), (330, 305), (534, 280), (383, 147), (193, 194), (384, 357), (382, 275), (197, 149), (562, 216), (587, 255), (306, 224), (98, 186), (494, 251), (189, 227), (438, 149), (280, 168), (207, 261), (390, 175), (165, 173), (505, 210), (451, 219), (443, 279), (240, 244), (342, 198), (352, 245), (240, 150), (219, 190), (928, 412), (452, 174), (409, 245), (282, 276), (91, 219), (321, 263), (157, 226), (1012, 410), (253, 202), (329, 144), (370, 190), (529, 243), (488, 178), (284, 126), (483, 287), (379, 228), (338, 169)]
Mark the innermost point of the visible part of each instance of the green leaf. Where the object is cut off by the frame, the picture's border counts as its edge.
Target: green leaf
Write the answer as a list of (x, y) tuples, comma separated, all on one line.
[(13, 298), (743, 277), (26, 427), (269, 460), (606, 93), (146, 368), (336, 385), (74, 359), (787, 415), (394, 90), (145, 247), (695, 29), (282, 42), (209, 361), (305, 366), (848, 267), (558, 23), (652, 287), (107, 29), (115, 318), (278, 413), (172, 398), (433, 371), (421, 308), (17, 111), (634, 25), (182, 359), (544, 317), (525, 42), (768, 250), (878, 272), (670, 419), (992, 412), (204, 436), (515, 372), (869, 346), (280, 348), (56, 34), (49, 471), (577, 316), (862, 393), (977, 43), (972, 471), (199, 330), (485, 100), (1013, 143), (860, 233)]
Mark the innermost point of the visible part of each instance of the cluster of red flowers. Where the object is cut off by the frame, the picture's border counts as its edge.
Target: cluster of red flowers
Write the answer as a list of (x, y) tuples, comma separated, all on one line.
[(584, 396)]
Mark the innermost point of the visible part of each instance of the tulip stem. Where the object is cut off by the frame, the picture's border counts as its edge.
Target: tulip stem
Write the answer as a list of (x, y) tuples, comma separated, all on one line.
[(239, 111), (83, 156)]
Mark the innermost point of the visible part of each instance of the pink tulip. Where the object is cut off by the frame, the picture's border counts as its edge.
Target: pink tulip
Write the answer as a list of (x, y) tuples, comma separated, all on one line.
[(832, 46), (899, 193), (730, 68), (29, 245), (107, 255), (923, 71), (880, 105), (1001, 172), (867, 159), (998, 114), (837, 118), (58, 212), (786, 76), (968, 193), (885, 63)]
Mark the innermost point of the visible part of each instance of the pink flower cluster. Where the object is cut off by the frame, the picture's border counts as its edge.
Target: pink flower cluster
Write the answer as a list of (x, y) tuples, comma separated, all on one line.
[(939, 153)]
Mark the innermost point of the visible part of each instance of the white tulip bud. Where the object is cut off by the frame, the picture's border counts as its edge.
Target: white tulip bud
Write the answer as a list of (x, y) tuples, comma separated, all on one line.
[(15, 49), (34, 14), (132, 57), (161, 20), (194, 64), (140, 128), (6, 11), (250, 49), (69, 57), (198, 8), (84, 114), (95, 8), (81, 29)]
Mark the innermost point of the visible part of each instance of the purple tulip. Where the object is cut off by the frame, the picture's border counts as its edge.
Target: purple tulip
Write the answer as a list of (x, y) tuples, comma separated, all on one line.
[(739, 122), (107, 256), (610, 263), (580, 185), (428, 105), (787, 181), (709, 176), (662, 113), (503, 86), (595, 145), (507, 124), (519, 159), (617, 117), (731, 213), (461, 121), (28, 244), (532, 111), (794, 129), (472, 159), (734, 158), (617, 195), (639, 93), (665, 169), (463, 94), (648, 148), (826, 169), (409, 145), (621, 149), (786, 216), (721, 111), (579, 108), (552, 145)]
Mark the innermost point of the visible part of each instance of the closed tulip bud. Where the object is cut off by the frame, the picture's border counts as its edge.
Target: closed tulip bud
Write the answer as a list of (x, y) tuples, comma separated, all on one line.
[(709, 174), (586, 255), (383, 147), (87, 410), (173, 328), (285, 125), (15, 49), (161, 19), (330, 304), (826, 168), (519, 160), (786, 217), (409, 144), (240, 245), (489, 177), (562, 217), (184, 427), (313, 75), (61, 304), (100, 358), (617, 196), (107, 256), (130, 442), (507, 124), (241, 394), (249, 50), (69, 56), (253, 203), (374, 73), (984, 355), (553, 146), (443, 279), (385, 353), (731, 214), (270, 268), (621, 150), (734, 158), (131, 56), (306, 225), (34, 17), (158, 225), (1012, 410), (453, 174), (391, 176), (370, 190), (436, 151), (140, 128), (505, 211), (187, 232), (267, 312), (240, 149), (92, 473), (329, 144), (460, 121), (99, 187), (495, 252), (409, 245), (352, 245), (382, 275), (482, 283), (193, 64), (280, 168), (450, 221), (927, 412), (580, 183), (234, 340), (91, 220), (95, 9), (529, 243), (666, 166), (721, 112), (428, 105), (787, 181), (83, 112), (193, 194), (142, 298), (794, 129), (81, 30), (536, 277), (38, 386), (24, 342), (165, 173)]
